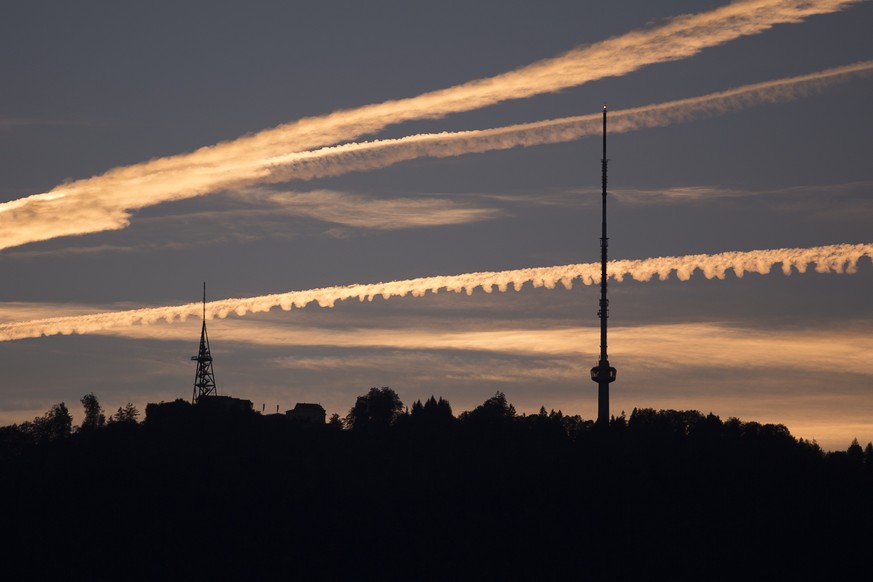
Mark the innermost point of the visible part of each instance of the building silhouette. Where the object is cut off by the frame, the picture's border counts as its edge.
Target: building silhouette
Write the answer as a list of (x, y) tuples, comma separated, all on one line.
[(307, 413)]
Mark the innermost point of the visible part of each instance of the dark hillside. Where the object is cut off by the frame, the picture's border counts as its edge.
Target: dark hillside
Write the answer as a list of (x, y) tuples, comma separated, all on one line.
[(424, 495)]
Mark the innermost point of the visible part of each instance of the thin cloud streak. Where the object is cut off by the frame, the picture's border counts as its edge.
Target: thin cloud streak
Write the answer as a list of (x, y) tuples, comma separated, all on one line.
[(424, 367), (695, 193), (827, 259), (704, 345), (263, 213), (9, 123), (105, 202), (373, 155), (361, 211)]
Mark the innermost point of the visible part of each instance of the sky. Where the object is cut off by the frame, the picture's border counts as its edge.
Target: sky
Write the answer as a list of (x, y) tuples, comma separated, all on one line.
[(283, 152)]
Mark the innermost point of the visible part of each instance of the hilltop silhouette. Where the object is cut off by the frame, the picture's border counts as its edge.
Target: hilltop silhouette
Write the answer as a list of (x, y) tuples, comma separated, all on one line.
[(192, 493)]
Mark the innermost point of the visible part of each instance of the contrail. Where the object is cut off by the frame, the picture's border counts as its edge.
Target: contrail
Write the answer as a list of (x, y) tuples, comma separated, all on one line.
[(336, 160), (104, 202), (827, 259)]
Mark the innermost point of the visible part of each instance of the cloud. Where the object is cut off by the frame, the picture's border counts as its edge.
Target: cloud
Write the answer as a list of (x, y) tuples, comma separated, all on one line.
[(372, 155), (827, 259), (360, 211), (259, 213), (423, 366), (650, 347), (105, 202), (9, 123), (700, 193)]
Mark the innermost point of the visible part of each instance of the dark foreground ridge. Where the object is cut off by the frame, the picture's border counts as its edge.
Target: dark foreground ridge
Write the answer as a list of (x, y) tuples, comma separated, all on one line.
[(210, 494)]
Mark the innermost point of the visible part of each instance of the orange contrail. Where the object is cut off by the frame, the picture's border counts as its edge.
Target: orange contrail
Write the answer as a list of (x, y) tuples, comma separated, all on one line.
[(827, 259), (104, 202)]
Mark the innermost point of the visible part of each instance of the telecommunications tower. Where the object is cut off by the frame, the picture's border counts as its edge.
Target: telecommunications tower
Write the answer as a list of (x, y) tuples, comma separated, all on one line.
[(602, 373), (204, 381)]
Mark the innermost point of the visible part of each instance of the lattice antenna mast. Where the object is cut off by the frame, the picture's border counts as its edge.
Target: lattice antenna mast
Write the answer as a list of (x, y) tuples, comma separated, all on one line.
[(603, 373), (204, 381)]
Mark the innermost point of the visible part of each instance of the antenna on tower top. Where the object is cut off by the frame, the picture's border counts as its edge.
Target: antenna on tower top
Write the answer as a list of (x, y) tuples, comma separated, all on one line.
[(204, 380), (603, 373)]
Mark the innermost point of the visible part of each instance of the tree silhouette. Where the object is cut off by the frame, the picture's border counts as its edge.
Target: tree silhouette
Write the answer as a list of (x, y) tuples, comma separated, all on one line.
[(432, 417), (432, 409), (376, 410), (94, 417), (495, 409), (335, 422), (855, 453), (125, 414), (53, 425)]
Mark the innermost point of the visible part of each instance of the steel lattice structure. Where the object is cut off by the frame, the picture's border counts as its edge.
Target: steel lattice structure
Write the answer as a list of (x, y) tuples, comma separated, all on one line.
[(204, 381)]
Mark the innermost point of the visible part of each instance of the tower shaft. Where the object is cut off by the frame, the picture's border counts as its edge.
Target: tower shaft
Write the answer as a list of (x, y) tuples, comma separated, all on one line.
[(603, 312), (603, 373)]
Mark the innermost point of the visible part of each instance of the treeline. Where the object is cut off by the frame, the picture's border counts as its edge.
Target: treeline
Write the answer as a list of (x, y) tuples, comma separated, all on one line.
[(390, 492), (57, 423)]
